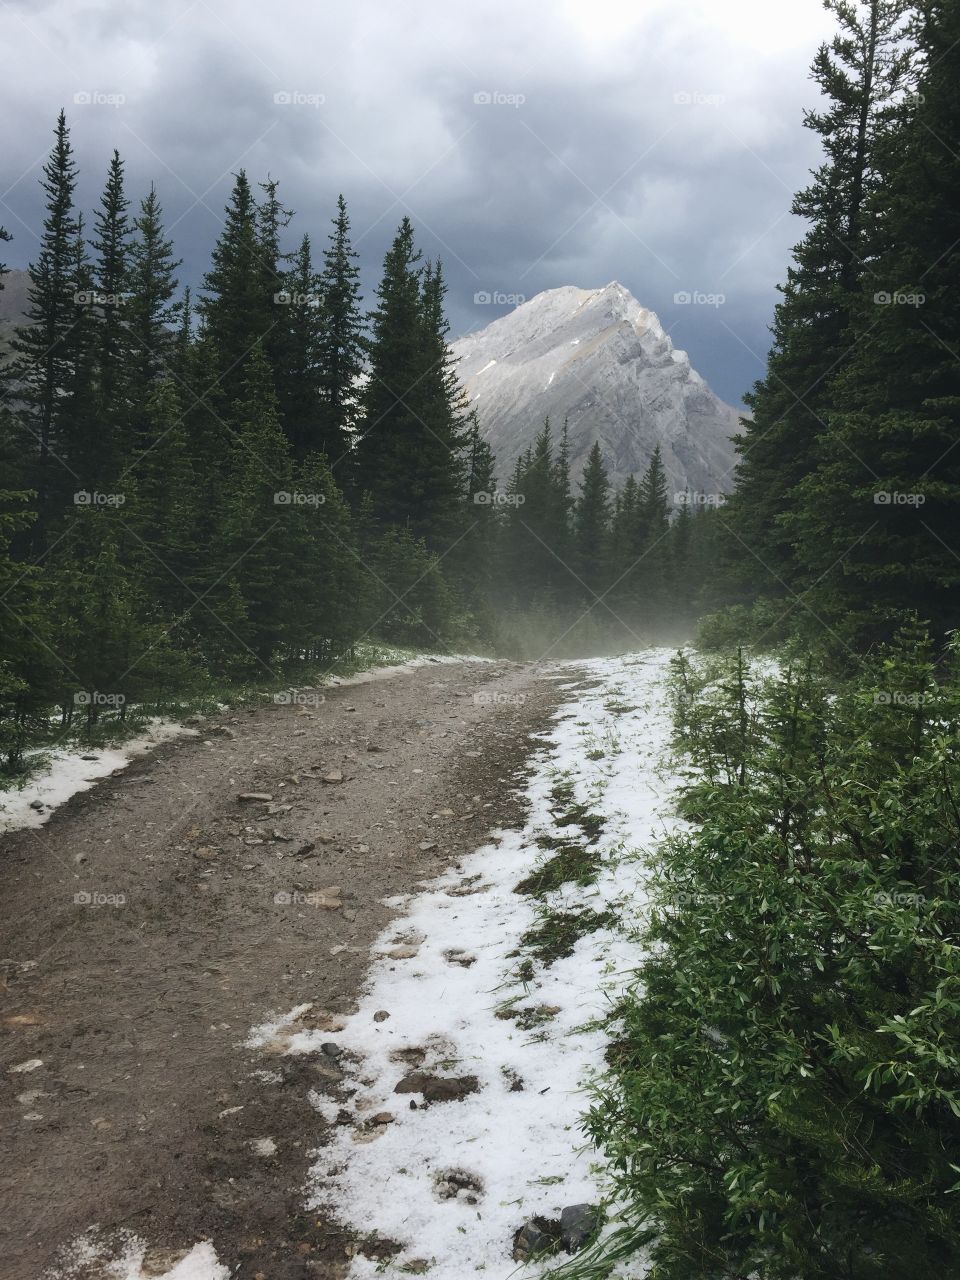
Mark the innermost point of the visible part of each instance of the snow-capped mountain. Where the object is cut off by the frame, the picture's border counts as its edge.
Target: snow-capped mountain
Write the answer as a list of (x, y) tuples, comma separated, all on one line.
[(603, 362)]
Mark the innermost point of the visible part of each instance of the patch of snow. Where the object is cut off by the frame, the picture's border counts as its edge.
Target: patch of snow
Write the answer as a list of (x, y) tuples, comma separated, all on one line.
[(267, 1031), (121, 1255), (68, 773), (488, 365), (517, 1139)]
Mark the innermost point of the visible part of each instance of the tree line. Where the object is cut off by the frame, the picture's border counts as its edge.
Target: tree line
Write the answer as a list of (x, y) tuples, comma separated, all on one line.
[(845, 512), (248, 481)]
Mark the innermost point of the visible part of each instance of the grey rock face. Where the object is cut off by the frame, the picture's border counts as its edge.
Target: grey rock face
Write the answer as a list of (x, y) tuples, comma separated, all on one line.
[(603, 362)]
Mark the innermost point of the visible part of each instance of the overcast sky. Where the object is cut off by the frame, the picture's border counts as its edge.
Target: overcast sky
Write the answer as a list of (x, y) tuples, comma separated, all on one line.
[(534, 143)]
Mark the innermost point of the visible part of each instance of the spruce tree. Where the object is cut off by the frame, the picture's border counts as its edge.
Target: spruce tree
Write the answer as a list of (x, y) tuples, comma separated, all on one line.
[(263, 510), (237, 309), (386, 445), (149, 311), (876, 524), (112, 345), (299, 383), (592, 525), (45, 353), (342, 347), (860, 73)]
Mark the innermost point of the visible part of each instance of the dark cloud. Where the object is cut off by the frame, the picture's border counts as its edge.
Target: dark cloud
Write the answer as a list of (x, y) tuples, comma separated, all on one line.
[(533, 144)]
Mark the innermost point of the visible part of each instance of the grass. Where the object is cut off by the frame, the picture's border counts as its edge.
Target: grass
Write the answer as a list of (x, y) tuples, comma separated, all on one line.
[(571, 864), (557, 932)]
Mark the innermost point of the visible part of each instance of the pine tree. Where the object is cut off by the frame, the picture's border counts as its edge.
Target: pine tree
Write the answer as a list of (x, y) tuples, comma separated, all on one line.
[(164, 508), (342, 345), (409, 456), (299, 383), (592, 525), (112, 344), (237, 311), (437, 463), (263, 510), (385, 446), (876, 524), (860, 73), (149, 312), (45, 352)]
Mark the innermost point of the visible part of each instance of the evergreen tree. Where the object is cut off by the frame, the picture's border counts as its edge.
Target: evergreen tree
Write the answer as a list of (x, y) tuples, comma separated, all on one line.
[(386, 446), (149, 311), (299, 385), (262, 515), (342, 346), (112, 345), (860, 73), (237, 311), (592, 525), (44, 347), (876, 523)]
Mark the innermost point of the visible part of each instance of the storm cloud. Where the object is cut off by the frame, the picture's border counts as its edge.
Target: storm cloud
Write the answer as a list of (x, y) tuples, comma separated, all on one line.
[(534, 143)]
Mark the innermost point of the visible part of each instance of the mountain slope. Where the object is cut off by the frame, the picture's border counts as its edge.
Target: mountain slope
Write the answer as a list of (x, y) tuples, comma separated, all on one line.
[(600, 360)]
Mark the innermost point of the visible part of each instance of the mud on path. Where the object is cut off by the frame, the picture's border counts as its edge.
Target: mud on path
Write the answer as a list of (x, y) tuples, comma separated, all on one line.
[(146, 1112)]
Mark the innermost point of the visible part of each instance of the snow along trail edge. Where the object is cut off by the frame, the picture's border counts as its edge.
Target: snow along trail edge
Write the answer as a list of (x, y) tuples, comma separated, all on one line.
[(451, 1182)]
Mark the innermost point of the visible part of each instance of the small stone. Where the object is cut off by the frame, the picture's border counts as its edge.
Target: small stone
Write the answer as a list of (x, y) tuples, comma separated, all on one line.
[(579, 1223), (333, 777), (254, 797), (325, 839), (535, 1238), (37, 804), (426, 845), (305, 849), (331, 1049), (382, 1117), (381, 1015), (21, 1068), (402, 953)]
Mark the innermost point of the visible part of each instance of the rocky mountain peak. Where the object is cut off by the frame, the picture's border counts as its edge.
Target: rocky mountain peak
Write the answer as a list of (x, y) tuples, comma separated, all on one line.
[(600, 360)]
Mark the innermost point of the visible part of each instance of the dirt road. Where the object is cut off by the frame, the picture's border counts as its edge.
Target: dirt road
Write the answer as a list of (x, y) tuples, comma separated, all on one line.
[(155, 918)]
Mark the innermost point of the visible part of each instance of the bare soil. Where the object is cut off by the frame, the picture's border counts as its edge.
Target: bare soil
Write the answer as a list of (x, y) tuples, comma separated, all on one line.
[(156, 918)]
